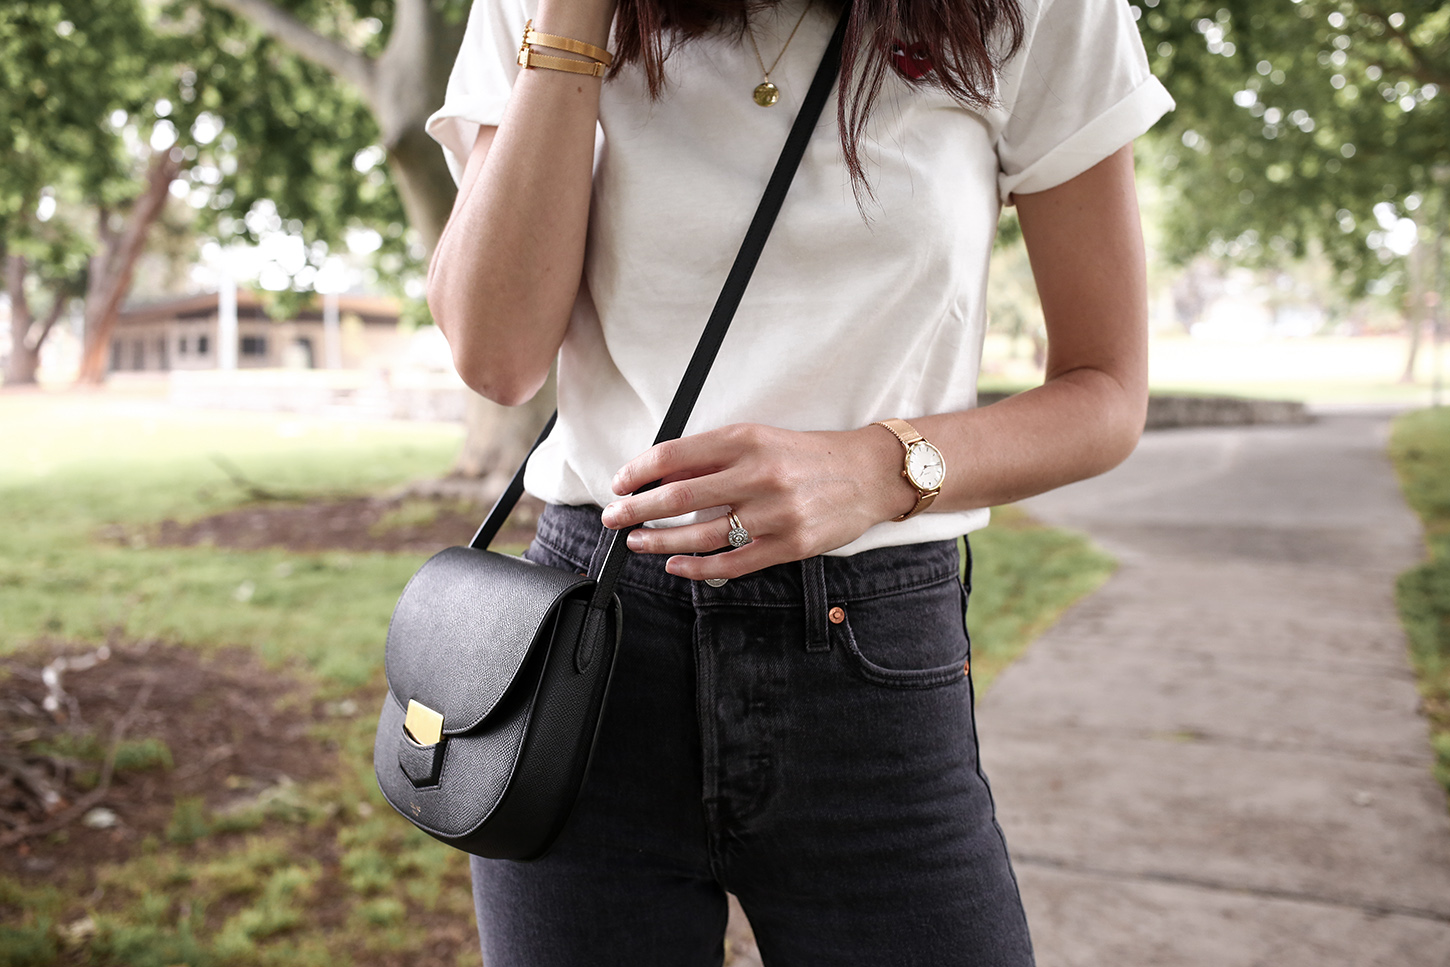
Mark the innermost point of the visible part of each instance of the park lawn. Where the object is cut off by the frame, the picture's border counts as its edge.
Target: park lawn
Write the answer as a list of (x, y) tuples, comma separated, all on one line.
[(316, 871), (1420, 448)]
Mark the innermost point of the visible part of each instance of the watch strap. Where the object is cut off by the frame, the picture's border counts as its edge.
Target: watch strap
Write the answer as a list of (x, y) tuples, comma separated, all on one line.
[(909, 436), (903, 431)]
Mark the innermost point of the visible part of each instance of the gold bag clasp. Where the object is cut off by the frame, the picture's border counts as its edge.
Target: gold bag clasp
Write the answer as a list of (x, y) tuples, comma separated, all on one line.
[(423, 724)]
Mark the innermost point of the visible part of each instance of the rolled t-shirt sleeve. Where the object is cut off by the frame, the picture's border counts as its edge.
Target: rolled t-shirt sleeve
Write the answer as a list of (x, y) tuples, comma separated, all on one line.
[(1076, 91), (483, 75)]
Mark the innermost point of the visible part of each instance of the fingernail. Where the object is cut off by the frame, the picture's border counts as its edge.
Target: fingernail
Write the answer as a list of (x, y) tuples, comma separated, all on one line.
[(607, 518), (635, 540)]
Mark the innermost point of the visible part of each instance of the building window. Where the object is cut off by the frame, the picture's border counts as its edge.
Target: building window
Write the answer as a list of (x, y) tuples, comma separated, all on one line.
[(138, 355), (181, 346), (254, 345), (116, 354), (161, 357)]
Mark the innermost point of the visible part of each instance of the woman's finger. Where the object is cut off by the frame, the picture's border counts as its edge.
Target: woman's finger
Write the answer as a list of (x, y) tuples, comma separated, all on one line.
[(673, 499), (709, 535), (690, 456), (752, 557)]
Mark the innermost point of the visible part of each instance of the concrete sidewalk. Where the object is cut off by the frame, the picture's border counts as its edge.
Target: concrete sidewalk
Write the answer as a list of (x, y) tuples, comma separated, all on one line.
[(1217, 758)]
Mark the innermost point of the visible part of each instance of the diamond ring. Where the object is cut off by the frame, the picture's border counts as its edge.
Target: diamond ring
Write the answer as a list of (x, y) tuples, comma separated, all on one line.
[(738, 535)]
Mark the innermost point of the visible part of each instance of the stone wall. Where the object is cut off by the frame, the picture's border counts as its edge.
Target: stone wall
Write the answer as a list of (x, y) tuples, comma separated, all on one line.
[(1168, 411)]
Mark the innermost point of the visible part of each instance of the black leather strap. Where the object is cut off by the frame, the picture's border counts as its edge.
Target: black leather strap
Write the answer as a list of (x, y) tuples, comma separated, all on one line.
[(511, 494), (612, 543)]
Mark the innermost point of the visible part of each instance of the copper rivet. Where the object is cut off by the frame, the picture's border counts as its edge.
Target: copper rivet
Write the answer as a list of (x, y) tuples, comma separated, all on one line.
[(837, 615), (967, 667)]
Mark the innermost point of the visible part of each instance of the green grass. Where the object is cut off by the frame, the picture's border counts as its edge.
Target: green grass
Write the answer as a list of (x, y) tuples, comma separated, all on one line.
[(321, 872), (1420, 448), (81, 482)]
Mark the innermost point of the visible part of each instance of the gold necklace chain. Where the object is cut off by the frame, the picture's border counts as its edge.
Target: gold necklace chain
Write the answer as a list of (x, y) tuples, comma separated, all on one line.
[(766, 93)]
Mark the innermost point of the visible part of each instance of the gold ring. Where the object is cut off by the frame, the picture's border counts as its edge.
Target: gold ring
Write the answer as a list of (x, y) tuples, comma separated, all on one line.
[(738, 535)]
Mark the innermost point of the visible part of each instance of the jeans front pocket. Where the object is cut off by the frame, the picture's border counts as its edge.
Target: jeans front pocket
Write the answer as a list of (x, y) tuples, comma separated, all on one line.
[(908, 639)]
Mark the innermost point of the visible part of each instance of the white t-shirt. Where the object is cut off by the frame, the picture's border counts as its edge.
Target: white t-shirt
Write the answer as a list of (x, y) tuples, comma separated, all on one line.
[(846, 320)]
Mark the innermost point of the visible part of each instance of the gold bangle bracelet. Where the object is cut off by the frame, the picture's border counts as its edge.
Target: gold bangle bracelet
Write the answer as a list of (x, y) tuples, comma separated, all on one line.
[(532, 36), (529, 58)]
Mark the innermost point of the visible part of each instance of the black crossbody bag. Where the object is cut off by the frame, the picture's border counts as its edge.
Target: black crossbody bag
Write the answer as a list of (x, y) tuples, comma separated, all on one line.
[(498, 668)]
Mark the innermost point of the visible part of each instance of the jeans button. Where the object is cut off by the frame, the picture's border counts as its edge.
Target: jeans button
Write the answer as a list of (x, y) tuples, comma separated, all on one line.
[(716, 582)]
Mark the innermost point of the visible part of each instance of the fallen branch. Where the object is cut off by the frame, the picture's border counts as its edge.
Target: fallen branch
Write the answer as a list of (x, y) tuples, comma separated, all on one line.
[(55, 693), (32, 781), (103, 786), (253, 489)]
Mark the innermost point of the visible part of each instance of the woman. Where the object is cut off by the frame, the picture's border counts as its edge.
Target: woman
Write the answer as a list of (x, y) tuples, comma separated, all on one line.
[(791, 714)]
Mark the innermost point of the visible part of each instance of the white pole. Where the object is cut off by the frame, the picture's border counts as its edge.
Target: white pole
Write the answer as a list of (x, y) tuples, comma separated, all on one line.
[(226, 322), (331, 331)]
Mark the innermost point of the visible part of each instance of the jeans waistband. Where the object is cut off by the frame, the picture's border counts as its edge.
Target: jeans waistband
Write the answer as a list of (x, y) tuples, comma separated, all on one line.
[(573, 532)]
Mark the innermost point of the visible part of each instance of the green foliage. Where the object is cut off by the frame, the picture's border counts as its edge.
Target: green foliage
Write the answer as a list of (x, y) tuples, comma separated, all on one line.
[(138, 755), (1420, 448), (292, 140), (82, 488), (29, 946), (91, 90), (188, 821), (60, 151), (1295, 120), (132, 755)]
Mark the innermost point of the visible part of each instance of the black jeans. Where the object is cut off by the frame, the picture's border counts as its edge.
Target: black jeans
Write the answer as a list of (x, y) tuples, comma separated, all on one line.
[(802, 737)]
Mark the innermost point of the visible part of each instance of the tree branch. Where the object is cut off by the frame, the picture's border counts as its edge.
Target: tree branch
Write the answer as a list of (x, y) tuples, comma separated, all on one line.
[(111, 269), (103, 786), (35, 338), (15, 268), (286, 29), (1422, 69)]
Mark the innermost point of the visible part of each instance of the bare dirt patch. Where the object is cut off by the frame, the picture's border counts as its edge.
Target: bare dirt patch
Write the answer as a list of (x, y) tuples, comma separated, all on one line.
[(396, 524), (219, 730)]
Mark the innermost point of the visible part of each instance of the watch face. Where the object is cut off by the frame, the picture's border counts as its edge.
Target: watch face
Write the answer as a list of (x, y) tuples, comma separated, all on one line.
[(924, 466)]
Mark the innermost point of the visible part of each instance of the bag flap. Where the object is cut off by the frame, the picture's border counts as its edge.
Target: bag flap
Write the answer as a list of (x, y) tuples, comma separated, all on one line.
[(465, 625)]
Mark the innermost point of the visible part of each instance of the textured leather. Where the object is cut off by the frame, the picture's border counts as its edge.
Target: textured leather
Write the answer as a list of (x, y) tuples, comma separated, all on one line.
[(420, 763), (502, 783), (491, 609)]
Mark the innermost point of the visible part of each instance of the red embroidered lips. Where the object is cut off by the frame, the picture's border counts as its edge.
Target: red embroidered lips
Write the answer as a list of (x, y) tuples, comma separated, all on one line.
[(911, 60)]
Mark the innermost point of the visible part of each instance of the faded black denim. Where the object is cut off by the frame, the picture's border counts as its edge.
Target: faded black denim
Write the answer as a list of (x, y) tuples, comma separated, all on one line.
[(824, 772)]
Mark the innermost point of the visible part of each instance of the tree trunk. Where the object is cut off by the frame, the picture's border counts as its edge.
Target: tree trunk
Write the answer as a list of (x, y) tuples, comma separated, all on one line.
[(24, 361), (402, 87), (113, 265), (410, 80), (498, 438)]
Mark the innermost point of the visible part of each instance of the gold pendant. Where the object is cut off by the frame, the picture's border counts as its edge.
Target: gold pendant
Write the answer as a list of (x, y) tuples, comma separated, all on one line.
[(766, 94)]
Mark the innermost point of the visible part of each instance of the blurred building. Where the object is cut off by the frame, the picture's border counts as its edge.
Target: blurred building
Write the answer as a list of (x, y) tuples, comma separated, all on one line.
[(231, 330)]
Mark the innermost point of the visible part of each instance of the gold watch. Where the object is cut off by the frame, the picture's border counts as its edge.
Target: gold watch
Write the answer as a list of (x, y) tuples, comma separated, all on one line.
[(923, 467)]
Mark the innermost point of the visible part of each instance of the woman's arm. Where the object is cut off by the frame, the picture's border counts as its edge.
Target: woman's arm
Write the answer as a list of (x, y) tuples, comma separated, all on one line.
[(506, 270), (801, 494)]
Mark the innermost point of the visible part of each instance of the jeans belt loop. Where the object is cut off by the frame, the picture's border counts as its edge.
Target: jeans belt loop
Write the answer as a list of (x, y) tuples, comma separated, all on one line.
[(813, 579)]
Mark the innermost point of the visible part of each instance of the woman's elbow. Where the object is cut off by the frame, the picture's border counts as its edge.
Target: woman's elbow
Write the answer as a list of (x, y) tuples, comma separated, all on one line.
[(1128, 417), (494, 376)]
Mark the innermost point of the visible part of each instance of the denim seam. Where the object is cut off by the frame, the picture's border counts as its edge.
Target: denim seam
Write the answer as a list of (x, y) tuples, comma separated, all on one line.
[(902, 589), (902, 678)]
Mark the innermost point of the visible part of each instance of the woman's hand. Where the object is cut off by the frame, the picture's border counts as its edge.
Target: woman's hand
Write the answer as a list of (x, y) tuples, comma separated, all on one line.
[(797, 494)]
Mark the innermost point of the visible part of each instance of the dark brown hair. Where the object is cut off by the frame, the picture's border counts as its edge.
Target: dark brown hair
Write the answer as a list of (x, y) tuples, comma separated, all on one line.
[(956, 39)]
